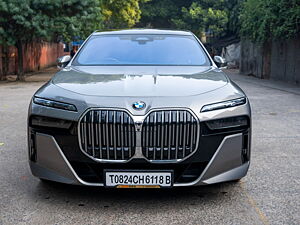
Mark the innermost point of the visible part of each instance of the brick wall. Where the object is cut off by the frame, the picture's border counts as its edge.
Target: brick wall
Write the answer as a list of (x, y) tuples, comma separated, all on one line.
[(36, 56)]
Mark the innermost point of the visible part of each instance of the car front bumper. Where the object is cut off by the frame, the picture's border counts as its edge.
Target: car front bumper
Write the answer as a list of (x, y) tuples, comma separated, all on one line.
[(225, 164)]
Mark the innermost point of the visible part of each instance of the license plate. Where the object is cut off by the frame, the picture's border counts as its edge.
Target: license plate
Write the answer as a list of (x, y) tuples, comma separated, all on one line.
[(133, 179)]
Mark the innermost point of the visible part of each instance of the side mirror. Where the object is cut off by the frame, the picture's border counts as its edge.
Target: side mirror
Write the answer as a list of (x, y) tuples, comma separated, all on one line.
[(63, 61), (219, 60)]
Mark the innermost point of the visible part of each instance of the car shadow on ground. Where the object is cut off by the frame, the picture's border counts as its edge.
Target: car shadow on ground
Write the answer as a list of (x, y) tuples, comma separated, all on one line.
[(107, 197)]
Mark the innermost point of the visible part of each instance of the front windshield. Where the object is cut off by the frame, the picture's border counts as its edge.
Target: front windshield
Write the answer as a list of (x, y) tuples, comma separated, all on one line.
[(142, 50)]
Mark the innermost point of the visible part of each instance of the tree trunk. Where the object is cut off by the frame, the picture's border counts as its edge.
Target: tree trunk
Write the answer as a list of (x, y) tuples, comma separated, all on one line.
[(5, 62), (20, 74), (267, 51)]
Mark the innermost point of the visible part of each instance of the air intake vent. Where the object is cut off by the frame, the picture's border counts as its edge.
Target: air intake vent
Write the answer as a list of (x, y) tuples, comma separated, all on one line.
[(169, 135), (107, 135)]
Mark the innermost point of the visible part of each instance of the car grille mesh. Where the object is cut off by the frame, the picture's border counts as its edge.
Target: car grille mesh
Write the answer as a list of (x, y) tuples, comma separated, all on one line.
[(169, 135), (107, 135)]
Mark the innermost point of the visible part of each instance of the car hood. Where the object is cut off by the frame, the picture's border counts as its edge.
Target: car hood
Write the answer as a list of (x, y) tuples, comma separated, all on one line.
[(140, 80)]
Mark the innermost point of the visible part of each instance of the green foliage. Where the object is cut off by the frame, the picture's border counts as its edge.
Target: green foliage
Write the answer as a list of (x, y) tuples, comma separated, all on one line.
[(34, 20), (263, 20), (204, 16), (162, 13), (23, 21), (198, 15), (120, 13), (233, 8)]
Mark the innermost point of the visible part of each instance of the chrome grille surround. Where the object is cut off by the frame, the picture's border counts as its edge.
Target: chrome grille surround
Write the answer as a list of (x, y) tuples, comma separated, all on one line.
[(170, 135), (107, 135), (138, 126)]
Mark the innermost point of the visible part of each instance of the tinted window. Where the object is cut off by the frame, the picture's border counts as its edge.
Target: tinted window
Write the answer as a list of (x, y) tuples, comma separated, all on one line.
[(141, 50)]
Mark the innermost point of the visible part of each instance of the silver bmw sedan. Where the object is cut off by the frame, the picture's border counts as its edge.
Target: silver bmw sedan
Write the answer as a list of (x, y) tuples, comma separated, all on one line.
[(139, 108)]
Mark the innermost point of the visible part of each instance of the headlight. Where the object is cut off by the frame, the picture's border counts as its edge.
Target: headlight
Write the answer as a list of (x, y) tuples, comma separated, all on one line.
[(224, 105), (54, 104), (232, 122)]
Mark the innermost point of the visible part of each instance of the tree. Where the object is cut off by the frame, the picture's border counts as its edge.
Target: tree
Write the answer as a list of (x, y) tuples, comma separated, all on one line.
[(233, 8), (263, 20), (195, 15), (204, 16), (161, 13), (120, 14), (25, 21)]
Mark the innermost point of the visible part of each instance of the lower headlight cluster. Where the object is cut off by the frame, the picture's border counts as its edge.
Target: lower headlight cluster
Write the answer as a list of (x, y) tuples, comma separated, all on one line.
[(232, 122), (41, 121)]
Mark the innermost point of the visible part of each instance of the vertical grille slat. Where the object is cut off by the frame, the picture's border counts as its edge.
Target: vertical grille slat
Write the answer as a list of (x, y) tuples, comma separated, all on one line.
[(99, 132), (107, 134), (85, 138), (96, 143), (129, 134), (184, 134), (92, 133), (162, 135), (154, 135), (147, 137), (122, 134), (192, 137), (89, 134), (169, 135), (177, 134), (114, 137)]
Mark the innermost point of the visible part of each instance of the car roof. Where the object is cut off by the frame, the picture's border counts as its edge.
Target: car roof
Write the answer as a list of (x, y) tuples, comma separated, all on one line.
[(145, 31)]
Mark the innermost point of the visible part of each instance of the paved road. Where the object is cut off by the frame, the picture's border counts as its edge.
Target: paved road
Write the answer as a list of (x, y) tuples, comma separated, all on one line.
[(270, 194)]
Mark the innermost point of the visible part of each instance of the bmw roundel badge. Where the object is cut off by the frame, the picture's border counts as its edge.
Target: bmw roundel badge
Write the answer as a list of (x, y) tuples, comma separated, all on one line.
[(139, 105)]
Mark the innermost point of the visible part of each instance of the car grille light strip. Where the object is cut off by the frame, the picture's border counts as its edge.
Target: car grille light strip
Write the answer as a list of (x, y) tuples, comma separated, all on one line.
[(169, 135), (166, 135), (107, 135)]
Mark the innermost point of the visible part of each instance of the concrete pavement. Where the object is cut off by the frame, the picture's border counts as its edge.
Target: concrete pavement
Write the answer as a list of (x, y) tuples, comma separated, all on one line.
[(269, 194)]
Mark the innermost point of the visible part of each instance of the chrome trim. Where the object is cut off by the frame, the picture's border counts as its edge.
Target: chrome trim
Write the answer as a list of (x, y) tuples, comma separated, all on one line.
[(174, 109), (173, 126), (106, 128), (138, 122)]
